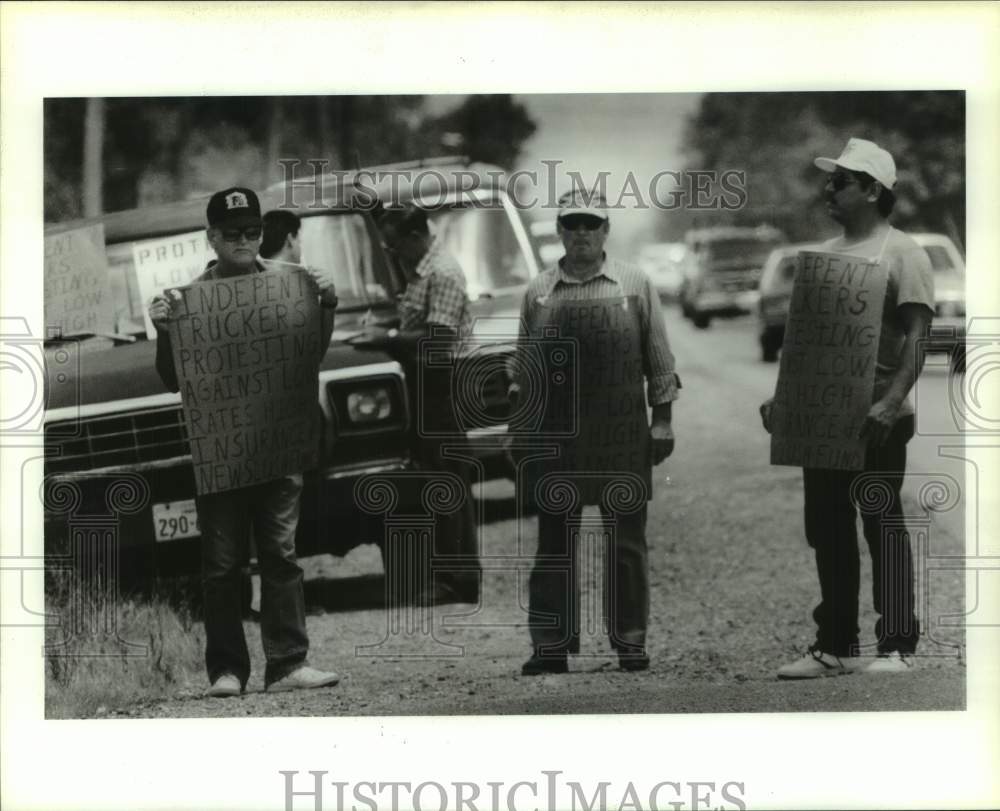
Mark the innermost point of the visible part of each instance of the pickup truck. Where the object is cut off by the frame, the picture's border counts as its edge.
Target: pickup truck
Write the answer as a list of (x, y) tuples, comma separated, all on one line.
[(109, 422)]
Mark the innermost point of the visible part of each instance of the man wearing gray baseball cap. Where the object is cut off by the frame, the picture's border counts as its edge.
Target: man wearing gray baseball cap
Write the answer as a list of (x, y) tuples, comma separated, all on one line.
[(859, 197)]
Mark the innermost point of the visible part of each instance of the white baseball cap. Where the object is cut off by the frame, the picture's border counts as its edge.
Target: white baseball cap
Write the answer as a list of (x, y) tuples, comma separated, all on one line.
[(578, 201), (863, 156)]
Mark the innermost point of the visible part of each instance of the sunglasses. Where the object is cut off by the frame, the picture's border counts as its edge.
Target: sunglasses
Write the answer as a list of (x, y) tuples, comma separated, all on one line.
[(572, 222), (251, 234), (840, 181)]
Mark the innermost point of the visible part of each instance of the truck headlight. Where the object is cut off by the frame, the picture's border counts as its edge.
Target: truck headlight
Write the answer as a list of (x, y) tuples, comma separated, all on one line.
[(369, 405)]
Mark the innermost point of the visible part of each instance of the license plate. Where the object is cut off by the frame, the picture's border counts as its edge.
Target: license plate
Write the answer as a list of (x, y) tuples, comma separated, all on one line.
[(173, 520)]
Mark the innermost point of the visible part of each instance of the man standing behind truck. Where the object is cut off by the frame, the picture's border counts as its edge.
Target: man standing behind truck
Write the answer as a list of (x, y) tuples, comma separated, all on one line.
[(859, 197), (225, 518)]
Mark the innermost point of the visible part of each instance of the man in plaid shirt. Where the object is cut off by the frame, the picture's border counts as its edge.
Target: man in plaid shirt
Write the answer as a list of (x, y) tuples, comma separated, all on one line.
[(433, 305)]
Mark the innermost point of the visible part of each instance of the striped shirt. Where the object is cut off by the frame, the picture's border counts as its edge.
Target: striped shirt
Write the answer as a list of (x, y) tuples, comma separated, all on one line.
[(437, 295), (614, 280)]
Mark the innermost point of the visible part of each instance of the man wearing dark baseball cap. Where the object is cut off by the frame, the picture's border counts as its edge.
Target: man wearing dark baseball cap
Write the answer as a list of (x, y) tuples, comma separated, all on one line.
[(235, 228), (859, 197)]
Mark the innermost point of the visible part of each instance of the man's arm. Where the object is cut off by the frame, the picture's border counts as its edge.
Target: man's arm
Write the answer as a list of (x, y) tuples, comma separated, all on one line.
[(916, 320), (663, 382), (160, 313)]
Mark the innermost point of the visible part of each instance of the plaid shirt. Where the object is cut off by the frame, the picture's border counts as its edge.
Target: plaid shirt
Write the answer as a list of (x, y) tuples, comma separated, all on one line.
[(437, 295)]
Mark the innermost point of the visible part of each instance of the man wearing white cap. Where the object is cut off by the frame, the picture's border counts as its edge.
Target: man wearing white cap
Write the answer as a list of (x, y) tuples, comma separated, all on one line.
[(590, 406), (859, 197)]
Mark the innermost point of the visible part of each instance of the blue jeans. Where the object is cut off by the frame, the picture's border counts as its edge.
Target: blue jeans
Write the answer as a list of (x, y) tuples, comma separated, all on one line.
[(831, 530), (554, 583), (272, 508)]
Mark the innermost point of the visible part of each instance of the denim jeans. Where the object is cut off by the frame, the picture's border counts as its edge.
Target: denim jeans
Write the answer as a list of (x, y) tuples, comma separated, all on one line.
[(554, 584), (272, 509), (831, 530)]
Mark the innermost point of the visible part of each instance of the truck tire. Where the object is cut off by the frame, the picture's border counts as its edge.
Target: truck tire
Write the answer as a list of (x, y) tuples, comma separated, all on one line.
[(701, 320)]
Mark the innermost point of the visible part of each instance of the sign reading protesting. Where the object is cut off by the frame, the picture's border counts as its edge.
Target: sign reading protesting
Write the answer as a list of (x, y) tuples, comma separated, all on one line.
[(828, 361), (77, 299), (247, 354), (169, 262)]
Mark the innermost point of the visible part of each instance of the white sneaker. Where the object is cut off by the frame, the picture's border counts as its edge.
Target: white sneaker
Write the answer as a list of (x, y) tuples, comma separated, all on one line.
[(817, 664), (305, 678), (894, 662), (226, 686)]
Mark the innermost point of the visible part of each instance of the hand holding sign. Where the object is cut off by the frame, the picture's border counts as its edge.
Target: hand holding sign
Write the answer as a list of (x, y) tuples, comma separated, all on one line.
[(879, 421), (765, 413), (161, 308)]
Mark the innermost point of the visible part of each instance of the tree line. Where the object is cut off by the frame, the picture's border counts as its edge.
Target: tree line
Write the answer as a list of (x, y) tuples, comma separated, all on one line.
[(774, 137), (112, 154)]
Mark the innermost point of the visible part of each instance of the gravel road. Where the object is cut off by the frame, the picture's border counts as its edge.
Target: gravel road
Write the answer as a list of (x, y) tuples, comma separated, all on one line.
[(733, 585)]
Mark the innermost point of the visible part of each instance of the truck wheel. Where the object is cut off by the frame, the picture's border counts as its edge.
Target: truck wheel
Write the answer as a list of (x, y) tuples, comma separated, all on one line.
[(701, 321), (406, 563)]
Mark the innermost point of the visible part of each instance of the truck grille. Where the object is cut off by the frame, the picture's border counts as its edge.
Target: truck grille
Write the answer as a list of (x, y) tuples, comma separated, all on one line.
[(116, 439)]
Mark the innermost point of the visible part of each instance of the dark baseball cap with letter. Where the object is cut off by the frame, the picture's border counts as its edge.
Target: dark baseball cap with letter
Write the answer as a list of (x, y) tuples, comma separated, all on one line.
[(236, 206)]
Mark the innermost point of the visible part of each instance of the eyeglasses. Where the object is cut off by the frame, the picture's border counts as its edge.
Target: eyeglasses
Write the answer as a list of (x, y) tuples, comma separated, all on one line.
[(572, 222), (251, 234), (840, 181)]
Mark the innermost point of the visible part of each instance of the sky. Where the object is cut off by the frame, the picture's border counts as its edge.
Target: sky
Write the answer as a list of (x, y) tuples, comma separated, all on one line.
[(618, 133)]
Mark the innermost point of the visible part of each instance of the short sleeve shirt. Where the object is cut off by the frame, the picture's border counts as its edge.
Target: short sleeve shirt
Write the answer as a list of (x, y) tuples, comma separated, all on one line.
[(910, 281)]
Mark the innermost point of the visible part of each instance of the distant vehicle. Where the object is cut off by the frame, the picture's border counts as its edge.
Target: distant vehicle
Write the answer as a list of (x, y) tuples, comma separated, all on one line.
[(726, 270), (775, 293), (667, 264), (547, 242), (947, 331)]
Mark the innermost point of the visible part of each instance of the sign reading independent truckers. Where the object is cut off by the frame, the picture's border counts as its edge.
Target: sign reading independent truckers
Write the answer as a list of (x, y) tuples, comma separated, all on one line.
[(77, 299), (828, 360), (247, 353)]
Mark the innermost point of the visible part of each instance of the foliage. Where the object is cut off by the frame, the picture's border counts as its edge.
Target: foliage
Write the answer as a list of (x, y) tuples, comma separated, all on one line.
[(485, 128), (105, 653), (775, 136), (163, 149)]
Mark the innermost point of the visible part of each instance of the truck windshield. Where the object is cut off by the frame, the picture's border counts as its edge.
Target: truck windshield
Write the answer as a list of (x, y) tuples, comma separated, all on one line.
[(485, 245), (337, 242)]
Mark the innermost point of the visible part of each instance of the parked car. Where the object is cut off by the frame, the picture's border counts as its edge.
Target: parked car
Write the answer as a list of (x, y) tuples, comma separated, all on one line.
[(775, 294), (110, 419), (947, 331), (667, 264), (726, 270)]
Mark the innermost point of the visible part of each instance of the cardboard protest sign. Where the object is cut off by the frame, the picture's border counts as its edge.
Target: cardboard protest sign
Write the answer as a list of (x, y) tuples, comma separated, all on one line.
[(247, 352), (169, 262), (77, 296), (594, 396), (828, 359)]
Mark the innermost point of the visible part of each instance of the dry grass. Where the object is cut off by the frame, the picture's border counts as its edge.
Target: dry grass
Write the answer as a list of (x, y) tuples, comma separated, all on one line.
[(104, 655)]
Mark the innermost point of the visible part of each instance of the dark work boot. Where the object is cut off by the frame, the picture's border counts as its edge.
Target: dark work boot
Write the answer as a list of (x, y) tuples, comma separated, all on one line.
[(548, 662)]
